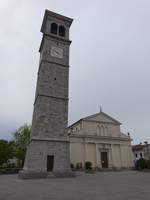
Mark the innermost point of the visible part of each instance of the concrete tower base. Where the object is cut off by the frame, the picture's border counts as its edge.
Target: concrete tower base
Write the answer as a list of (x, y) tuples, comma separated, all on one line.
[(37, 158)]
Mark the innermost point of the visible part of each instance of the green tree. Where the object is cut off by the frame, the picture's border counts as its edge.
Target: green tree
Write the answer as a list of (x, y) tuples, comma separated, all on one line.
[(6, 151), (21, 139)]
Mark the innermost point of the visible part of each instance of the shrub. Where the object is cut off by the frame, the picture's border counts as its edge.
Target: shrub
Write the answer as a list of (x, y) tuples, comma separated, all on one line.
[(79, 166), (72, 166), (148, 164), (142, 164), (88, 165), (6, 170)]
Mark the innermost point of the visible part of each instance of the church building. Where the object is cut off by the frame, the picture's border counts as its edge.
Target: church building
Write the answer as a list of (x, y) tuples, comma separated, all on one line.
[(98, 139)]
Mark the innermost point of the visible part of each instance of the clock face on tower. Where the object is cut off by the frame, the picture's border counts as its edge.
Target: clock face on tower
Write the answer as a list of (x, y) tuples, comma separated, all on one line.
[(56, 52)]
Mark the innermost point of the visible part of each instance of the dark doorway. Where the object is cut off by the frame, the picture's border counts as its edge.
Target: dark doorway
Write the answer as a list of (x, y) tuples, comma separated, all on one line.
[(104, 159), (50, 163)]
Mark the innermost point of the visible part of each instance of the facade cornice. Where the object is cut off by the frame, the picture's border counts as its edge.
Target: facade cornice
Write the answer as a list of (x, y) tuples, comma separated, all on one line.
[(100, 137)]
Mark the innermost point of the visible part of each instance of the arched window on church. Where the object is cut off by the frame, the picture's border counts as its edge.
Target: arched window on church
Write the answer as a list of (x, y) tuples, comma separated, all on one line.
[(102, 131), (98, 130), (62, 31), (106, 131), (54, 28)]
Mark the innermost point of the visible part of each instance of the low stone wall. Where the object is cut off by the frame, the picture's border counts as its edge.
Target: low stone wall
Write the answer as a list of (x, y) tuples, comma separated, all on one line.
[(6, 170)]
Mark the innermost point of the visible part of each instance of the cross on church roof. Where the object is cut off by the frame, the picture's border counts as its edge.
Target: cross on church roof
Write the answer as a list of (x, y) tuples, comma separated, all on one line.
[(100, 108)]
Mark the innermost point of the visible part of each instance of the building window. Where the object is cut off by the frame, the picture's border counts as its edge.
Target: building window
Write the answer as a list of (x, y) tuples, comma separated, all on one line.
[(62, 31), (102, 131), (141, 155), (54, 28), (98, 130), (106, 131), (136, 155)]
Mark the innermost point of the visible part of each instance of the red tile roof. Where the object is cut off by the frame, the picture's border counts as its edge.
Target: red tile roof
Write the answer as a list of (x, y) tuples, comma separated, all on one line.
[(138, 147)]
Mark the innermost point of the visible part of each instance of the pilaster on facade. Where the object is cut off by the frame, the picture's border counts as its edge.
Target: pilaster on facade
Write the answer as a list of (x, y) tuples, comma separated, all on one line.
[(98, 159), (131, 155), (85, 151), (121, 156), (112, 155)]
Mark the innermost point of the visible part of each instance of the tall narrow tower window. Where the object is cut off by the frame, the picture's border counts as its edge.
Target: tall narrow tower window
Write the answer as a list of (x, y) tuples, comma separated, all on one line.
[(54, 28), (62, 31)]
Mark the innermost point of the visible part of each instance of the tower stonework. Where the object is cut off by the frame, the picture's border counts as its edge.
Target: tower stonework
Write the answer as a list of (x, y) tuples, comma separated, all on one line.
[(48, 150)]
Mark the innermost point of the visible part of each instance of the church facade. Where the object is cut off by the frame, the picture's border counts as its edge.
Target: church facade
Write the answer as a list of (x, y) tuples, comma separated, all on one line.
[(98, 139)]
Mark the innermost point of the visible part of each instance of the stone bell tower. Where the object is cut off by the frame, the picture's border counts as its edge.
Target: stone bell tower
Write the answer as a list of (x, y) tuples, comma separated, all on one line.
[(48, 150)]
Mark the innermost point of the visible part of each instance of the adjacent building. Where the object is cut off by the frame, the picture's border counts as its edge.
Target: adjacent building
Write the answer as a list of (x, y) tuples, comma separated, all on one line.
[(98, 139), (147, 151), (138, 151), (141, 151)]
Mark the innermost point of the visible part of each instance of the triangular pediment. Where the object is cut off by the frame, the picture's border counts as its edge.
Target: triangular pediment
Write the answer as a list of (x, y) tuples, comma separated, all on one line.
[(102, 117)]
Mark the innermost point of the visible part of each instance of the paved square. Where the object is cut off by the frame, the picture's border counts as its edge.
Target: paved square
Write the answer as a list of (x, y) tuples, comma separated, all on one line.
[(129, 185)]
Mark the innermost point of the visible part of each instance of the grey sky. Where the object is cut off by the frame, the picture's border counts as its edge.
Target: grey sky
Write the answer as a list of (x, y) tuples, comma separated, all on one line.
[(109, 61)]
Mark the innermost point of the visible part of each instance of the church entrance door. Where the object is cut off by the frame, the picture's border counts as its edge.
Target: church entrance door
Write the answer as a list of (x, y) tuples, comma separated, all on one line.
[(104, 159), (50, 163)]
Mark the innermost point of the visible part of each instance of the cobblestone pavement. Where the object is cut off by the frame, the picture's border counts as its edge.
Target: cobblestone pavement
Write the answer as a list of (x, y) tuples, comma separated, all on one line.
[(128, 185)]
